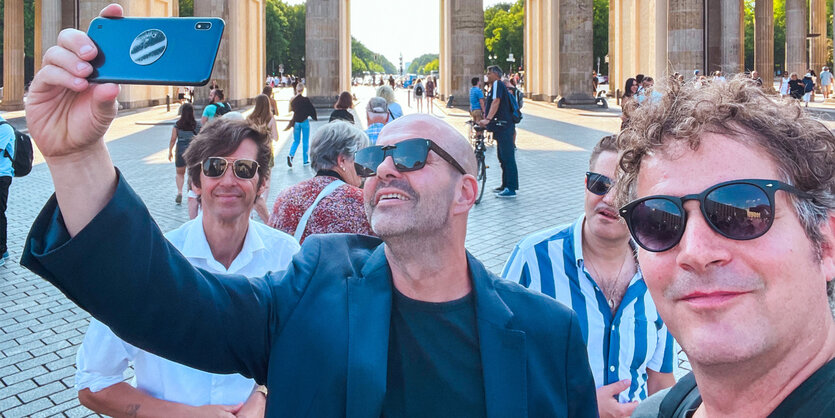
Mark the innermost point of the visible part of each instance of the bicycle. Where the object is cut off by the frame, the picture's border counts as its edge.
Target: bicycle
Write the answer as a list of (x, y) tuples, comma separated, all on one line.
[(479, 148)]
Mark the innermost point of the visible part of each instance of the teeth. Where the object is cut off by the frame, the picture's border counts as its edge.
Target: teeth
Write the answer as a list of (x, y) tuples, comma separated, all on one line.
[(393, 196)]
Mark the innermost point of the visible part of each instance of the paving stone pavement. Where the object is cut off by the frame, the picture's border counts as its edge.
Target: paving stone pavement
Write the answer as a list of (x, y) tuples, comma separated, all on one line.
[(40, 329)]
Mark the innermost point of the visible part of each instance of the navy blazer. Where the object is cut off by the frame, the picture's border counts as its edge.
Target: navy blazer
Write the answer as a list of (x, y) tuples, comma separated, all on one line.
[(317, 334)]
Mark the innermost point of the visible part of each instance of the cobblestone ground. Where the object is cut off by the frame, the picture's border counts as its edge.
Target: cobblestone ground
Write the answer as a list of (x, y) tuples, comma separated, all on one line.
[(40, 329)]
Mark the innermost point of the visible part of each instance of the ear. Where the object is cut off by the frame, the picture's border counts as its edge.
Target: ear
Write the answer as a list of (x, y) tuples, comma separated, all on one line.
[(197, 189), (466, 195), (828, 248), (340, 161)]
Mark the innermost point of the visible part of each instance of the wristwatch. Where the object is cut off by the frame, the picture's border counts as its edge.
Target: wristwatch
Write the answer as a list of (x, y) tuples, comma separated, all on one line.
[(262, 389)]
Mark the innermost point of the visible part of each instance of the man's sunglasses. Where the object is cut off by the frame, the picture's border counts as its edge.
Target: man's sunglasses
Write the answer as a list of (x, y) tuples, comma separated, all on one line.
[(737, 209), (598, 183), (243, 168), (408, 155)]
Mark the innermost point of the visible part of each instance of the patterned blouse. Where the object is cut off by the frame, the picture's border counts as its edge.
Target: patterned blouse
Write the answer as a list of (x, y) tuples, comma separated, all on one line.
[(340, 212)]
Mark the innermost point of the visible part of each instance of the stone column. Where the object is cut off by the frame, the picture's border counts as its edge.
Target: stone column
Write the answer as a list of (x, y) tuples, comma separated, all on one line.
[(817, 45), (685, 36), (732, 58), (48, 23), (463, 49), (796, 29), (322, 37), (220, 72), (575, 60), (764, 41), (12, 56)]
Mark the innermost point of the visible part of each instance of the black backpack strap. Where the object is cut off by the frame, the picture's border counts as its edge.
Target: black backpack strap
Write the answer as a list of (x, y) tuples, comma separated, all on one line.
[(6, 151), (682, 394)]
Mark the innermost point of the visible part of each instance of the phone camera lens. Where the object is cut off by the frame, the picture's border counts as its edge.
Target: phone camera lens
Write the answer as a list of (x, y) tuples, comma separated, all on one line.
[(203, 26)]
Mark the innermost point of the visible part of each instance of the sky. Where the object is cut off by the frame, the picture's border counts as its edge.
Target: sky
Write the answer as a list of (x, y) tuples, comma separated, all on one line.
[(392, 27)]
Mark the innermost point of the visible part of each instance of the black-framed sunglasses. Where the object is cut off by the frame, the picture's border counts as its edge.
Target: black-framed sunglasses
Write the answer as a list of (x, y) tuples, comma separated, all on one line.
[(598, 183), (737, 209), (243, 168), (408, 155)]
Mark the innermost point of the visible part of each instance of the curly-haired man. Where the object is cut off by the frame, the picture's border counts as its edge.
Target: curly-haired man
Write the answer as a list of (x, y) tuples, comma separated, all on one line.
[(731, 196)]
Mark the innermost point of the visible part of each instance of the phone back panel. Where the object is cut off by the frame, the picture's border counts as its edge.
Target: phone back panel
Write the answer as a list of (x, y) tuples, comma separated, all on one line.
[(162, 51)]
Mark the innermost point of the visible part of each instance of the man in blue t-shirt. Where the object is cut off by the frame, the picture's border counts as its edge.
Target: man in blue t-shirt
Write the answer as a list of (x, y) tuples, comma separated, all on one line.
[(7, 143), (476, 100), (499, 120)]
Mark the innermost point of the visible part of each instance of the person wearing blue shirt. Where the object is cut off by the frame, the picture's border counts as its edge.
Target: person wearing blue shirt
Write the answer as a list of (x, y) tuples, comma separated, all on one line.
[(590, 266), (476, 100), (499, 120), (7, 144)]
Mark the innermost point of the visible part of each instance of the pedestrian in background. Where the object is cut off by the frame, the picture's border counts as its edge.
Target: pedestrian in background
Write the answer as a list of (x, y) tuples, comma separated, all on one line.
[(181, 135), (784, 85), (262, 119), (418, 92), (302, 109), (344, 109), (796, 87), (268, 91), (387, 93), (826, 81), (378, 116), (7, 151), (430, 93)]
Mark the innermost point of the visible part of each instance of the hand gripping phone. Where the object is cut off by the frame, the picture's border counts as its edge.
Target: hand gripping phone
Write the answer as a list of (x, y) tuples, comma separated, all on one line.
[(171, 51)]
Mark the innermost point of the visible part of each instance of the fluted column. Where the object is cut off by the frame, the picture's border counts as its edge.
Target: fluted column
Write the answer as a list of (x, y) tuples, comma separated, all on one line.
[(48, 23), (796, 27), (817, 45), (732, 56), (12, 55), (323, 34), (764, 41), (575, 60), (685, 36), (463, 50)]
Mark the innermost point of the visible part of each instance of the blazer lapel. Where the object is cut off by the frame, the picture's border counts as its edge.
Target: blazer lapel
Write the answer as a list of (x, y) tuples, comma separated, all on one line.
[(369, 314), (502, 348)]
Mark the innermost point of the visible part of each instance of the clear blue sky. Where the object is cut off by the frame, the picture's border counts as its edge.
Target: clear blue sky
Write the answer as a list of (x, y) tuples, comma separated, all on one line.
[(391, 27)]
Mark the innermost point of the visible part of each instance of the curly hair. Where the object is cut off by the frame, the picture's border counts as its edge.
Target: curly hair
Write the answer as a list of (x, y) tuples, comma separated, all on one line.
[(802, 148)]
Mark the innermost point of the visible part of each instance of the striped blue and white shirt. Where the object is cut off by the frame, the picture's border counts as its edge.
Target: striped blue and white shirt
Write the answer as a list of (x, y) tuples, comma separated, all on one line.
[(621, 346)]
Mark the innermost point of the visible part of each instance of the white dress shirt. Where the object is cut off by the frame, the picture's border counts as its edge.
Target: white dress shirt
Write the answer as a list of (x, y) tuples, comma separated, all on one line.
[(103, 357)]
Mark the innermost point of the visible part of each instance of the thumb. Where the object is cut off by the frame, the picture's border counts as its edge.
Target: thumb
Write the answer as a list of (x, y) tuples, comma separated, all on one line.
[(104, 99), (617, 387), (232, 408)]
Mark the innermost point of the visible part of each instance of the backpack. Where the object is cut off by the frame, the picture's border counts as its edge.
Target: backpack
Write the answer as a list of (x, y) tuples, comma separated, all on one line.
[(23, 155), (520, 98), (419, 90), (222, 109), (515, 113)]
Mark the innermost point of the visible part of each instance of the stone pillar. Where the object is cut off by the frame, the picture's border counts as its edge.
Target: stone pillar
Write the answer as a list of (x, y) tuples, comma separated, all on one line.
[(322, 50), (685, 36), (575, 59), (764, 41), (796, 29), (817, 45), (732, 53), (713, 37), (48, 23), (12, 55), (463, 51)]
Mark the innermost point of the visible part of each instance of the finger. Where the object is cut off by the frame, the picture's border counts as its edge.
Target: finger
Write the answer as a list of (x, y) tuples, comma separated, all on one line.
[(63, 58), (613, 389), (52, 75), (112, 10), (626, 409), (231, 408), (78, 43)]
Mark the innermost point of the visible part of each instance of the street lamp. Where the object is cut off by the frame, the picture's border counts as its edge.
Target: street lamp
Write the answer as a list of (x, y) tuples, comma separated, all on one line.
[(511, 60)]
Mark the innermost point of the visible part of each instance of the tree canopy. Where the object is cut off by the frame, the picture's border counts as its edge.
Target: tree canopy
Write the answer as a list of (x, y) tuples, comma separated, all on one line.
[(285, 27), (374, 62), (417, 66), (503, 33)]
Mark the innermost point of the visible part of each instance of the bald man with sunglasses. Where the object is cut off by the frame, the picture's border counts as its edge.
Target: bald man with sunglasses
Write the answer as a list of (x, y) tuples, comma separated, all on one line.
[(590, 266), (410, 325)]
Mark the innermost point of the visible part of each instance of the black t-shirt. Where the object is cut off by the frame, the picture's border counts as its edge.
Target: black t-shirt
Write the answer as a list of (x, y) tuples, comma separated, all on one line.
[(434, 362), (499, 91), (814, 398)]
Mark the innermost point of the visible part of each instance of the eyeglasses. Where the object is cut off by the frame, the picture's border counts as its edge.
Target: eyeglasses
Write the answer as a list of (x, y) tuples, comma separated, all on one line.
[(738, 209), (408, 155), (598, 183), (243, 168)]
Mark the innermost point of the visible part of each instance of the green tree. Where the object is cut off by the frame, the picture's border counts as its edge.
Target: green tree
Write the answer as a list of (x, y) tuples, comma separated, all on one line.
[(357, 66), (378, 62), (600, 34), (285, 27), (430, 66), (779, 35), (417, 64), (186, 8), (749, 35), (504, 32)]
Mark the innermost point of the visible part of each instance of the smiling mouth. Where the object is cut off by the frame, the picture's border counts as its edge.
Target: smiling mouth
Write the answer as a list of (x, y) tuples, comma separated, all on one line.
[(710, 300), (392, 196), (608, 213)]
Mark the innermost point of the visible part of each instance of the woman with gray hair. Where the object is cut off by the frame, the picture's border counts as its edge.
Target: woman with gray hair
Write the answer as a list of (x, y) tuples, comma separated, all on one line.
[(330, 202)]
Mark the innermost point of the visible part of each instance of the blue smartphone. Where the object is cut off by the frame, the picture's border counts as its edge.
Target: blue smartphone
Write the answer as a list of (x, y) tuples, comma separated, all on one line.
[(171, 51)]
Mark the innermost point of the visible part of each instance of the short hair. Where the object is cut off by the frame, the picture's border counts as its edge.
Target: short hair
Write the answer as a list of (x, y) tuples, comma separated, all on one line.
[(639, 78), (386, 92), (345, 101), (648, 78), (801, 147), (474, 81), (495, 69), (606, 144), (219, 93), (221, 137), (335, 139)]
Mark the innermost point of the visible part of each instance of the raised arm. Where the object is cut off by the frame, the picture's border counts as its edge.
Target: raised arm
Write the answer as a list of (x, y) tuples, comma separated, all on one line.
[(67, 118)]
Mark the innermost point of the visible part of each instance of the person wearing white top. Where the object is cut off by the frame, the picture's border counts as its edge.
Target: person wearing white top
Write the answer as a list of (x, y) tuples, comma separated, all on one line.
[(784, 85), (221, 240)]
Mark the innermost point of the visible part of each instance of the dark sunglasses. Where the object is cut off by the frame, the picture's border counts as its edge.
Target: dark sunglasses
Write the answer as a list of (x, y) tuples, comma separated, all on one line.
[(408, 155), (737, 209), (598, 183), (243, 168)]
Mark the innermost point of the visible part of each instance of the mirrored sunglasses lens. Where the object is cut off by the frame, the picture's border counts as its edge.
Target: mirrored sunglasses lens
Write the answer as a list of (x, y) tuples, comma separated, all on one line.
[(245, 169), (410, 155), (739, 211), (598, 184), (214, 167), (367, 160), (657, 224)]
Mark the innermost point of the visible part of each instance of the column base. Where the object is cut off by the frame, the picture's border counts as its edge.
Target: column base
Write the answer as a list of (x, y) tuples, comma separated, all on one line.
[(323, 101), (583, 102), (16, 105)]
